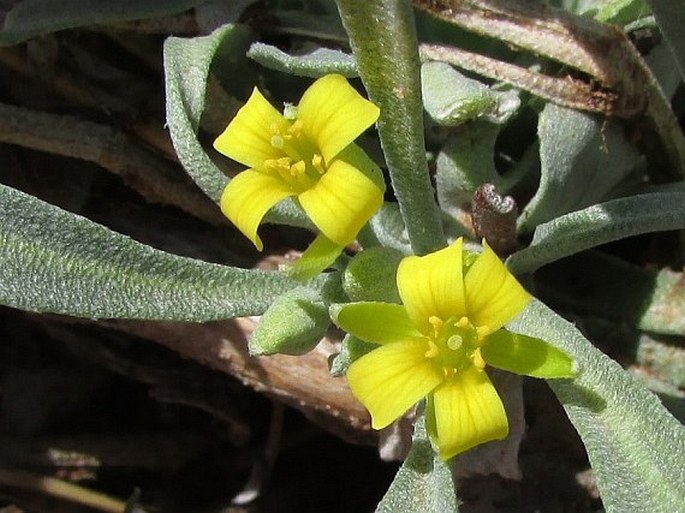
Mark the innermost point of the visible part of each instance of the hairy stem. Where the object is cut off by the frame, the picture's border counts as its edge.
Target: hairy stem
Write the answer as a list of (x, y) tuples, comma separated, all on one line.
[(383, 39)]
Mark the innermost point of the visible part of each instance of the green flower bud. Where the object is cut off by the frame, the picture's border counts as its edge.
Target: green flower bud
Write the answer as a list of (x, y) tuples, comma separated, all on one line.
[(293, 324)]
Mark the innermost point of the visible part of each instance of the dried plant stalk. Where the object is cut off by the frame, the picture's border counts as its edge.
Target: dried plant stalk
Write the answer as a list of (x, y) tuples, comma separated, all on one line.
[(619, 82)]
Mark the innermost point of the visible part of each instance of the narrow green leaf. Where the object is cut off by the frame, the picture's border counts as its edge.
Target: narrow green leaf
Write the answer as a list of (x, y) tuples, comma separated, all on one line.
[(423, 484), (635, 446), (314, 64), (383, 39), (574, 147), (25, 19), (664, 359), (599, 224), (187, 64), (55, 261), (670, 16)]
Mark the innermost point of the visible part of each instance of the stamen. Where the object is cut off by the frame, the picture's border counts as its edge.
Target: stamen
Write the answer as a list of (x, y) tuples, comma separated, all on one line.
[(437, 323), (279, 165), (433, 350), (463, 322), (482, 332), (298, 168), (477, 359), (317, 162), (294, 131)]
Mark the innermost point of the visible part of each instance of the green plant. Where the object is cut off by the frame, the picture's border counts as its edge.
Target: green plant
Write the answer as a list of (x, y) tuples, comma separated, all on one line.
[(551, 105)]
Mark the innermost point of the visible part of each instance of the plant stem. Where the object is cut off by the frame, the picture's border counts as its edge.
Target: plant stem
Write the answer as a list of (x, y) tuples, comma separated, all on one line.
[(383, 38), (62, 489)]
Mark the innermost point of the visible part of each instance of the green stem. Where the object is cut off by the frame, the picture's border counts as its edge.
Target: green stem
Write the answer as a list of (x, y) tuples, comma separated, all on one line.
[(383, 38)]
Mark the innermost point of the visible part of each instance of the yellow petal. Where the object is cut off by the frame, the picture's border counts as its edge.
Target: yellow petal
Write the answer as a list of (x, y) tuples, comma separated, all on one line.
[(374, 321), (493, 296), (248, 197), (247, 138), (391, 379), (345, 197), (432, 285), (334, 114), (464, 412)]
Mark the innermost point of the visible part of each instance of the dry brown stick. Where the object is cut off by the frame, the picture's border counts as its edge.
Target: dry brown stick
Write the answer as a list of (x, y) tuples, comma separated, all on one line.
[(564, 91), (540, 29), (152, 134), (599, 50), (156, 179)]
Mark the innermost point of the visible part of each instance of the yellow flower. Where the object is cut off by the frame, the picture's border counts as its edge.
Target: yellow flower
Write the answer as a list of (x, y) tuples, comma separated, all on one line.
[(437, 343), (309, 155)]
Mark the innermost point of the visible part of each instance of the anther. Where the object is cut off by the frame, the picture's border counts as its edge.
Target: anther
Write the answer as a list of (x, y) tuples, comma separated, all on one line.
[(298, 168), (477, 359), (436, 323), (295, 130), (279, 165), (482, 332), (433, 350), (317, 162)]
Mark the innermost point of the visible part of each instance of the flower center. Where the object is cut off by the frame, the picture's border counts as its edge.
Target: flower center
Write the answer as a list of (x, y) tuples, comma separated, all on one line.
[(455, 344), (301, 165)]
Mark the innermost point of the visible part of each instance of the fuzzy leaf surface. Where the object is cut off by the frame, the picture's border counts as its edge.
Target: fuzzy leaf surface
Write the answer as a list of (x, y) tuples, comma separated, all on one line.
[(25, 19), (314, 64), (187, 65), (423, 483), (599, 224), (636, 447), (670, 16), (58, 262), (592, 283), (582, 157)]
